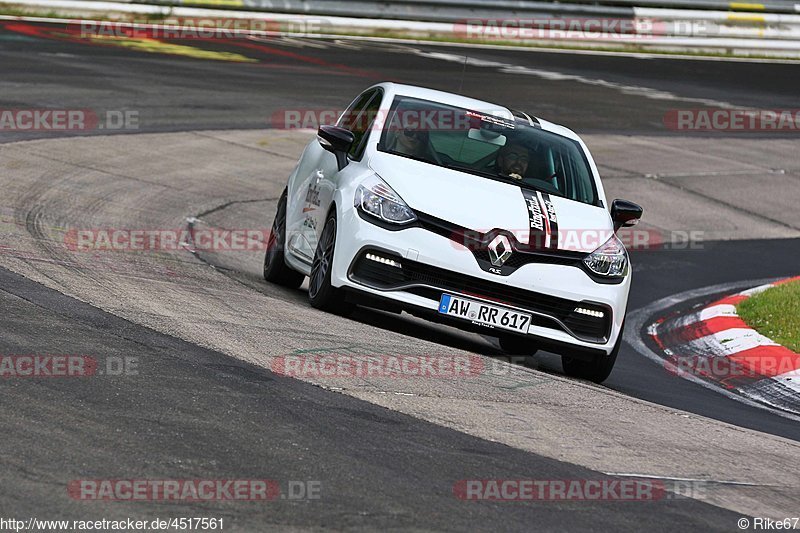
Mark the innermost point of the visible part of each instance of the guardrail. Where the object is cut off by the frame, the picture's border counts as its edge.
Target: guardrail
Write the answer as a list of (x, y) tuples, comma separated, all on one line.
[(451, 10), (762, 29), (418, 10), (663, 18)]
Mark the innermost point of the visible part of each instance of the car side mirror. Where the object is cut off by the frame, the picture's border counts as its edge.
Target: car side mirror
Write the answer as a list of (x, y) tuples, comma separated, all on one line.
[(337, 141), (625, 213)]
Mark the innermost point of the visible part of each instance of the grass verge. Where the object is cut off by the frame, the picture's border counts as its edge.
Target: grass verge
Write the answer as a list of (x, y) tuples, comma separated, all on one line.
[(775, 313)]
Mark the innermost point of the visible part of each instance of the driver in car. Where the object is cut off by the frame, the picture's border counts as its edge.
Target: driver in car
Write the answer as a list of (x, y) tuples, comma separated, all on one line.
[(414, 143), (512, 160)]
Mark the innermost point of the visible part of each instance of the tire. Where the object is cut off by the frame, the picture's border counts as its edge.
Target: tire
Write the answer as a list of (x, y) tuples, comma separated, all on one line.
[(321, 294), (514, 345), (275, 268), (597, 370)]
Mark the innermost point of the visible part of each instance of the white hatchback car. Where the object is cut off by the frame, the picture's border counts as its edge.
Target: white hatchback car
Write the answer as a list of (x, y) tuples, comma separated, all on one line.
[(462, 212)]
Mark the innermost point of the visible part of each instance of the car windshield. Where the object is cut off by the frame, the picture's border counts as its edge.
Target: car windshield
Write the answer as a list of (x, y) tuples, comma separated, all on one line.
[(488, 146)]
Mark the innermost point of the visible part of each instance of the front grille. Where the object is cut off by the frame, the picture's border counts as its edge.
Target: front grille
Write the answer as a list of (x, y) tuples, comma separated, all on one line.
[(478, 243), (519, 259), (430, 282)]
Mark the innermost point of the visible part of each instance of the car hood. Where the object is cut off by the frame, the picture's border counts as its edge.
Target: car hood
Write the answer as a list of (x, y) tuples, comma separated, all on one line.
[(481, 204)]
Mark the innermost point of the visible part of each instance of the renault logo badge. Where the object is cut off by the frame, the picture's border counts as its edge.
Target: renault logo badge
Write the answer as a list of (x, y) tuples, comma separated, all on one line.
[(499, 250)]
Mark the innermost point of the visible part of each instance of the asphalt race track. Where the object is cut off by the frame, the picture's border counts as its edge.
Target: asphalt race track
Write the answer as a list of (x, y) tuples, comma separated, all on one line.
[(196, 413), (175, 93), (204, 329)]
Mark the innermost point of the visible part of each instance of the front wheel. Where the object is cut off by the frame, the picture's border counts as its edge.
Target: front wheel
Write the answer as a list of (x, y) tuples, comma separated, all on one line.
[(597, 370), (275, 268), (321, 293)]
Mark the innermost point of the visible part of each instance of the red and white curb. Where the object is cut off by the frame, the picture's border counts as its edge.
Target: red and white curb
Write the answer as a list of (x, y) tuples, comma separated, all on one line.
[(714, 344)]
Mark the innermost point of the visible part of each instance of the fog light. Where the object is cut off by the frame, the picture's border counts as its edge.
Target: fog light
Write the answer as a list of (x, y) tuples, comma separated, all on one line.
[(590, 312), (383, 260)]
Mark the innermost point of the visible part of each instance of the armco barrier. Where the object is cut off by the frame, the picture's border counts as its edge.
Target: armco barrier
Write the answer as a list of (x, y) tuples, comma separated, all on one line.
[(745, 28), (452, 10)]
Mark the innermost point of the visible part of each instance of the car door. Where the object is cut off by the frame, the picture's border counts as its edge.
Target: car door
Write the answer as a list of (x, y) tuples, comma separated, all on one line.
[(315, 192)]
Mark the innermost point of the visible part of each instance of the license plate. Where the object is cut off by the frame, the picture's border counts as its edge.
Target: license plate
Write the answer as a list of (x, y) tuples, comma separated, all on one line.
[(494, 316)]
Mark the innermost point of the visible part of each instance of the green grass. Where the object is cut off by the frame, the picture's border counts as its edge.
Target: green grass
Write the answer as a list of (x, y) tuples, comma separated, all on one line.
[(775, 313), (15, 11), (22, 11)]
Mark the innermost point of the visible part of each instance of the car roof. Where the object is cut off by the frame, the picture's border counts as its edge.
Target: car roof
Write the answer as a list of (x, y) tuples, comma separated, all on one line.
[(473, 104)]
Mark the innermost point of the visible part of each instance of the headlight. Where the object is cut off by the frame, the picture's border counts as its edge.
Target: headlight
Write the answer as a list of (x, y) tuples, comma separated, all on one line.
[(610, 260), (376, 198)]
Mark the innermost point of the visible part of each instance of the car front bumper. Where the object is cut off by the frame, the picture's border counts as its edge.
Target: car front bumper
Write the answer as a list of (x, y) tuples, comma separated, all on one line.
[(431, 264)]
